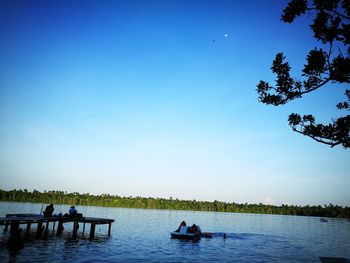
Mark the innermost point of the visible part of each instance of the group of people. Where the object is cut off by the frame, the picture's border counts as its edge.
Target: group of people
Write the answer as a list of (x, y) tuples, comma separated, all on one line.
[(71, 213), (184, 229)]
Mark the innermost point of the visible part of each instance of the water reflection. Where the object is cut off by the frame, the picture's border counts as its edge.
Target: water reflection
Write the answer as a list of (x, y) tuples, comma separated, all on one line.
[(15, 244), (65, 248), (144, 236)]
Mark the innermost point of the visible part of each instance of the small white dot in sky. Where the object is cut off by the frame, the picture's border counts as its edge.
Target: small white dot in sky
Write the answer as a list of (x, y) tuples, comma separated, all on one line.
[(226, 35)]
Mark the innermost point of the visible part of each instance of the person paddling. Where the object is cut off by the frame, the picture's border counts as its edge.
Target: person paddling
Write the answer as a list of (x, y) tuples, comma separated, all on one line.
[(181, 226)]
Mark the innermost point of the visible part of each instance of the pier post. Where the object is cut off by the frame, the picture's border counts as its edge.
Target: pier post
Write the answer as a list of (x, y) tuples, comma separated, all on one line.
[(109, 229), (83, 229), (92, 230), (14, 231), (60, 227), (75, 228), (40, 229), (46, 228), (28, 227)]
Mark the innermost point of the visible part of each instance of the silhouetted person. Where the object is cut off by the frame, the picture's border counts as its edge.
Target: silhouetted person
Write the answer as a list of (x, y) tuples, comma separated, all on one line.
[(183, 223), (194, 229), (48, 210), (72, 211)]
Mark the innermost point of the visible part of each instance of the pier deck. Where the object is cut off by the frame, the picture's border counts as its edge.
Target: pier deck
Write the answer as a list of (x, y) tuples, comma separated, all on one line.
[(15, 220)]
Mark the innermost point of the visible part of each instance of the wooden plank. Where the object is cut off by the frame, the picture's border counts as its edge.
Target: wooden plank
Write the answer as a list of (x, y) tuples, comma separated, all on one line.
[(22, 215)]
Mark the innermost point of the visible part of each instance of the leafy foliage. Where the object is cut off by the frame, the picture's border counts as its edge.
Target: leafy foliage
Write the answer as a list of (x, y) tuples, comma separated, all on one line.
[(60, 197), (331, 25)]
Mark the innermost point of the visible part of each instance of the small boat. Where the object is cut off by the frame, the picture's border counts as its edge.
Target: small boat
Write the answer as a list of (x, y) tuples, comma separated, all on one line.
[(184, 233), (188, 236)]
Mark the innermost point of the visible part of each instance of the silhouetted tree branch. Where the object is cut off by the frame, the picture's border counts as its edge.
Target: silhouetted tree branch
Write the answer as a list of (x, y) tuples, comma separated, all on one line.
[(330, 26)]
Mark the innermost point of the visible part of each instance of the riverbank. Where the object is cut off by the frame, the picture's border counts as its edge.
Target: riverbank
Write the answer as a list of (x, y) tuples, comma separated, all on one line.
[(107, 200)]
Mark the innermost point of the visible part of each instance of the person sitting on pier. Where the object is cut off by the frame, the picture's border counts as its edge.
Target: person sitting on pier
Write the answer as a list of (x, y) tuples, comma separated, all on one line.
[(72, 211), (48, 210)]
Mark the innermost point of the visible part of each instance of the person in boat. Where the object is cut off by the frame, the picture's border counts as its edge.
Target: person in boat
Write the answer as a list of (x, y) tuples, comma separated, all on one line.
[(181, 226), (48, 210), (194, 229)]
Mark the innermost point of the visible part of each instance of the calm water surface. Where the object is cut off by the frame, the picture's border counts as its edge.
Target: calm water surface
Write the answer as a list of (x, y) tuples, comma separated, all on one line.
[(140, 235)]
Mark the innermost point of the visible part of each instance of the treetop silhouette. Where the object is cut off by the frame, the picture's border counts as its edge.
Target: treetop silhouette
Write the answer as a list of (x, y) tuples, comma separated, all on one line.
[(329, 64)]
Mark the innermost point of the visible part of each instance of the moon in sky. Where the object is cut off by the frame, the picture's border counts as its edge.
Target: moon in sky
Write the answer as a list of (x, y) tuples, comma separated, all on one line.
[(225, 35)]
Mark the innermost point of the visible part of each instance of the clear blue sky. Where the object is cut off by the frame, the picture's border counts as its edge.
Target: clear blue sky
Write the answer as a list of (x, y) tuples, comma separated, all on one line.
[(157, 98)]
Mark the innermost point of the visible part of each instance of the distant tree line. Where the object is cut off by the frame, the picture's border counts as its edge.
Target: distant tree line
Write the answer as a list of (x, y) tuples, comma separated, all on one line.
[(106, 200)]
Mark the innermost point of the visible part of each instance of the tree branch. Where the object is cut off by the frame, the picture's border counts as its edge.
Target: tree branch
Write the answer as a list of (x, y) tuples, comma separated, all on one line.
[(332, 11), (339, 14), (317, 87), (329, 54), (330, 26), (284, 101), (318, 140)]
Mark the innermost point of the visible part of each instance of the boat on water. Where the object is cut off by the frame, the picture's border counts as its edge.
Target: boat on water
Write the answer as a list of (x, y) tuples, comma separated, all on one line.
[(185, 232), (188, 236)]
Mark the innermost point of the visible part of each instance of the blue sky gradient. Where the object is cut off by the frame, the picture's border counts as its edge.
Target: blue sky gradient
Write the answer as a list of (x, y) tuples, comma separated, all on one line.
[(150, 98)]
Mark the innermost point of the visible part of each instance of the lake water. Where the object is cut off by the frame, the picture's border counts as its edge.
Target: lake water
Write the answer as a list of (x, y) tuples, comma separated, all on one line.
[(140, 235)]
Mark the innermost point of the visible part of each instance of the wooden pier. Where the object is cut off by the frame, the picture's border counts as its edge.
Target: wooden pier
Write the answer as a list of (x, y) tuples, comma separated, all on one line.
[(43, 224)]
